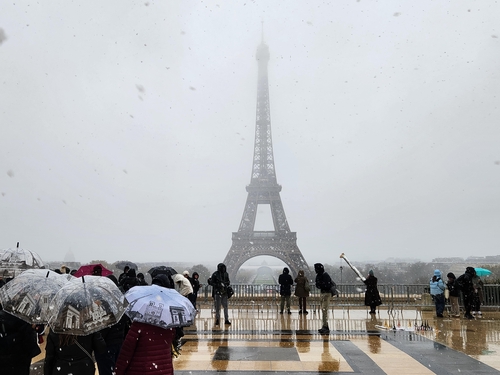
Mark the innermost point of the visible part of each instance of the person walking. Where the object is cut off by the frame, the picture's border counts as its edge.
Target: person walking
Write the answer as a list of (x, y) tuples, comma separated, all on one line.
[(454, 291), (285, 280), (69, 354), (467, 287), (372, 296), (324, 284), (437, 288), (302, 289), (220, 282)]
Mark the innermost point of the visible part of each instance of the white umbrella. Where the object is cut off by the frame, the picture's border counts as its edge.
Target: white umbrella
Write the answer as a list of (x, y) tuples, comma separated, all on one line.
[(86, 305), (28, 295), (159, 306)]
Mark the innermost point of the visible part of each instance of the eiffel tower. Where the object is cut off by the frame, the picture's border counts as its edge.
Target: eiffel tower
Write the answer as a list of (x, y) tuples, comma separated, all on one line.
[(264, 189)]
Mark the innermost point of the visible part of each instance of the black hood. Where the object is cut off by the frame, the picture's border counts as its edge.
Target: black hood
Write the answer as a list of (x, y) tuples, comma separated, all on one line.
[(286, 271), (318, 267), (221, 267), (470, 271)]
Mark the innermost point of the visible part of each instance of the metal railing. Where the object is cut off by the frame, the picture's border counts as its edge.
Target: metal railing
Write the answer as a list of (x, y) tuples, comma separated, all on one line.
[(400, 296)]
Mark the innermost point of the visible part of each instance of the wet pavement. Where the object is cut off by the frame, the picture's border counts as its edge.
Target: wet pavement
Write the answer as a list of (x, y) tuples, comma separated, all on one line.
[(392, 342)]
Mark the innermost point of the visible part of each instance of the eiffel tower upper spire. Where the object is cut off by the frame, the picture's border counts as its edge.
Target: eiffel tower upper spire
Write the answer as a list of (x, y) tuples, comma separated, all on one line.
[(263, 171)]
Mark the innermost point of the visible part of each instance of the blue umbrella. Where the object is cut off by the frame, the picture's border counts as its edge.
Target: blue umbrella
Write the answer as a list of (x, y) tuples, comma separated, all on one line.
[(482, 272)]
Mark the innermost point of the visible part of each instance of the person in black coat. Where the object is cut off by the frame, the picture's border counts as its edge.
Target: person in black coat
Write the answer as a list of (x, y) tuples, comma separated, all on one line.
[(372, 296), (454, 291), (467, 287), (285, 280), (129, 281), (18, 345), (69, 354), (324, 283), (220, 282), (195, 282), (113, 337)]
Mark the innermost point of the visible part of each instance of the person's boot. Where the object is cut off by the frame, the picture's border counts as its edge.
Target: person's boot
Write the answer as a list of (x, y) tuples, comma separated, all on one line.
[(300, 312), (227, 322), (305, 312), (289, 312), (324, 330), (216, 322), (281, 312)]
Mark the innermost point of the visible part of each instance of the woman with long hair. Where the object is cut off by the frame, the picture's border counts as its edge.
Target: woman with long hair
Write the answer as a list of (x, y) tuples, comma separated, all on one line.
[(70, 354)]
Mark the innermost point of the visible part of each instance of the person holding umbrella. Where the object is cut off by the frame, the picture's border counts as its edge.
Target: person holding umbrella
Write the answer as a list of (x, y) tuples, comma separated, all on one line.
[(70, 354), (18, 345), (467, 287), (154, 311)]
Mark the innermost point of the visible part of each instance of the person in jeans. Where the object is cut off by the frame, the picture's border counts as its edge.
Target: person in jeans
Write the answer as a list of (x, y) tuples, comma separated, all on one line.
[(220, 282), (452, 286), (437, 288), (324, 284), (286, 282)]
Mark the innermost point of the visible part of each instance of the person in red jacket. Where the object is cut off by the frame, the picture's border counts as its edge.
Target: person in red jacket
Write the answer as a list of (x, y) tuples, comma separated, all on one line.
[(146, 351)]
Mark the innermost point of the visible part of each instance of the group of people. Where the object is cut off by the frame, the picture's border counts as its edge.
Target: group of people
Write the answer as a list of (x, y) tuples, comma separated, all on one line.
[(327, 288), (124, 348), (469, 284)]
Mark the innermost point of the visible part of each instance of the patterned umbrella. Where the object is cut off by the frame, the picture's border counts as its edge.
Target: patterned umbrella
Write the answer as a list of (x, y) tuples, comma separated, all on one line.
[(86, 305), (158, 306), (15, 261), (28, 295)]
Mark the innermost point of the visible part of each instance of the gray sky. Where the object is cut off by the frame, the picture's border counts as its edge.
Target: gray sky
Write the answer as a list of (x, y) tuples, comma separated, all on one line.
[(127, 127)]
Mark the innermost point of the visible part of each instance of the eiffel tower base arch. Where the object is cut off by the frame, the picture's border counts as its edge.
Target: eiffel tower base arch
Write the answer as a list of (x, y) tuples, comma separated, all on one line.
[(282, 246)]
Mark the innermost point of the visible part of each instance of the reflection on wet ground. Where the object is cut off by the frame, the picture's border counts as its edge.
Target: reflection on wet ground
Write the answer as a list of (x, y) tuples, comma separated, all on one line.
[(408, 341)]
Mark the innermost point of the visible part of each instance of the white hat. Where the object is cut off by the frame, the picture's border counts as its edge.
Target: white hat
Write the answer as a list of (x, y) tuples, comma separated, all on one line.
[(186, 273)]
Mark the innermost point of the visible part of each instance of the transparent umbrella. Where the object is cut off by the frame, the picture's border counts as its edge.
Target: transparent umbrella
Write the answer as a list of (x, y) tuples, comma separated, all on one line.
[(28, 295), (86, 305), (15, 261)]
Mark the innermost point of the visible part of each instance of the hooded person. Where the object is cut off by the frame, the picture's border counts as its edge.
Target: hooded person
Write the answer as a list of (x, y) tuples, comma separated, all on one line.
[(183, 286), (195, 282), (372, 296), (324, 284), (302, 289), (466, 285), (220, 281), (285, 280), (129, 281), (162, 280), (454, 291), (437, 288)]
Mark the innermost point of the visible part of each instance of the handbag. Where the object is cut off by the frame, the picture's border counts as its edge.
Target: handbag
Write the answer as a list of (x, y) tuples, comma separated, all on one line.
[(307, 287), (229, 291)]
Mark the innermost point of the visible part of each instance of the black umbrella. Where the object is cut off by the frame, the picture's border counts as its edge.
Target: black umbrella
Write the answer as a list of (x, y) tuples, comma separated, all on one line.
[(162, 270)]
